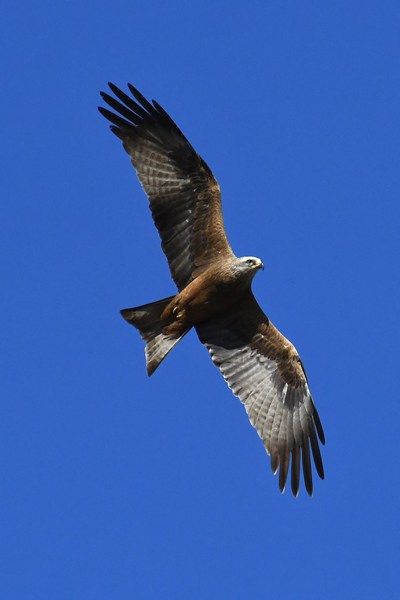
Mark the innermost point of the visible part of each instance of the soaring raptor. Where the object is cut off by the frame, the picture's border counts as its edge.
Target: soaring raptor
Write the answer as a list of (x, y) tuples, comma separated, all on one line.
[(214, 294)]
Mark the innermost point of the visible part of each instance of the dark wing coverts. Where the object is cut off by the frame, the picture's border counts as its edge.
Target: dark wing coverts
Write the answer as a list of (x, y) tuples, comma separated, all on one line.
[(184, 196), (264, 370)]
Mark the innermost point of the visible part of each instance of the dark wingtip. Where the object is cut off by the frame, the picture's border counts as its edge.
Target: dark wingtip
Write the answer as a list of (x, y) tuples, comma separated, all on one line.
[(295, 472), (283, 469), (309, 484), (307, 469), (133, 89), (140, 98), (318, 426), (103, 111), (274, 462), (126, 314), (150, 368)]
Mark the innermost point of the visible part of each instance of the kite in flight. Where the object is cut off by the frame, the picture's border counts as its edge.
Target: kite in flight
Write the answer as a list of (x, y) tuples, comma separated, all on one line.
[(214, 294)]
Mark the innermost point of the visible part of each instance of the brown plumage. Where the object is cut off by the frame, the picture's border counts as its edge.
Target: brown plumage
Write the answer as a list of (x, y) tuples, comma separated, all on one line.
[(214, 295)]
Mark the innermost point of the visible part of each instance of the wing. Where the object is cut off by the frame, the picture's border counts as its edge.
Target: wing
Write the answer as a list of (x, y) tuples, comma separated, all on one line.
[(184, 196), (263, 368)]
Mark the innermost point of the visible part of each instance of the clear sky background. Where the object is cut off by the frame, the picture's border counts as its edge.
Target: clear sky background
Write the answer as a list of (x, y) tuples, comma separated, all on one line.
[(119, 486)]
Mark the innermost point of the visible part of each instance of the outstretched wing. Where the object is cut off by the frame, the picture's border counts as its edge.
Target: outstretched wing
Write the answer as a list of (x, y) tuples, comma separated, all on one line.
[(264, 370), (184, 195)]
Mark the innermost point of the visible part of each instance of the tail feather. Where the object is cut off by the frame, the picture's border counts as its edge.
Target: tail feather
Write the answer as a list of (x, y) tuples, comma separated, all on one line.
[(146, 319)]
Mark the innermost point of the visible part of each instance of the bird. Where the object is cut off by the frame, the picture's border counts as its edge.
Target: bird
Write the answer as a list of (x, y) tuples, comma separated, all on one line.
[(214, 296)]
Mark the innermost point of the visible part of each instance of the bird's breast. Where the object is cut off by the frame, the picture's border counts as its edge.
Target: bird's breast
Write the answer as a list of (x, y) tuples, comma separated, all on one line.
[(203, 299)]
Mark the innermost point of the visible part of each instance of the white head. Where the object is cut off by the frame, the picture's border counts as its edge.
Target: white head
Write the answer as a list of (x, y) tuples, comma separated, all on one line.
[(247, 266), (251, 262)]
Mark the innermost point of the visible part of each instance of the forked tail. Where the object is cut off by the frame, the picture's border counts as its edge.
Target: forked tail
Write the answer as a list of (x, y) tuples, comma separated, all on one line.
[(146, 319)]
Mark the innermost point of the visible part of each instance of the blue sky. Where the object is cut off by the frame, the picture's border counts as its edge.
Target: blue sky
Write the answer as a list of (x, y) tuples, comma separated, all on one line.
[(119, 486)]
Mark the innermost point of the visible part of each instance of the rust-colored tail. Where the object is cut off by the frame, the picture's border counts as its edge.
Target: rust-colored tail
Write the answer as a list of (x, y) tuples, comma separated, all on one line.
[(146, 319)]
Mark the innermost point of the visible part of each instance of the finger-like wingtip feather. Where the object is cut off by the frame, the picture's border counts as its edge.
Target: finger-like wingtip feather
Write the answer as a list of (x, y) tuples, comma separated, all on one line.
[(316, 454), (140, 98), (274, 460), (307, 471), (112, 117), (129, 102), (284, 467), (295, 475), (318, 425)]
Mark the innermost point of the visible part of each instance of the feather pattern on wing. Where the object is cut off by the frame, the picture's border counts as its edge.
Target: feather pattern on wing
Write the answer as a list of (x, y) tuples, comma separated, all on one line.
[(264, 370), (184, 195)]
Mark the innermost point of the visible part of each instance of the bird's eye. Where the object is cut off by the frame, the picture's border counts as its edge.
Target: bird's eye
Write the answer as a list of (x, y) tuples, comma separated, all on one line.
[(250, 262)]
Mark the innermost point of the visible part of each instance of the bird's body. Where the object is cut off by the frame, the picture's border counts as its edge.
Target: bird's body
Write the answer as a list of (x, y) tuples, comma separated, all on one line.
[(214, 290)]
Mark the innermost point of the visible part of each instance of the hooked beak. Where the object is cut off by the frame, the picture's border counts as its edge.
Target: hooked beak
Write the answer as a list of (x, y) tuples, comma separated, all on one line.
[(260, 265)]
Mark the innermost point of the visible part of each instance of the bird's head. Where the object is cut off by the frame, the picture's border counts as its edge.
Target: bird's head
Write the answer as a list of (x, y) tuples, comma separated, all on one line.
[(247, 266)]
